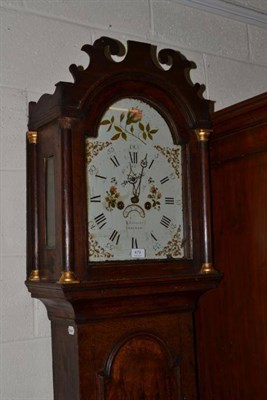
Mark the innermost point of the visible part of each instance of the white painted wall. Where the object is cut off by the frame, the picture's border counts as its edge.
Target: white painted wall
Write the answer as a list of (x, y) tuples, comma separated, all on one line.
[(39, 40)]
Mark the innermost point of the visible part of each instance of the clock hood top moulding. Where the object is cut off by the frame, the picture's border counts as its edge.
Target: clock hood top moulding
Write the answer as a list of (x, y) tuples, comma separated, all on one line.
[(140, 63)]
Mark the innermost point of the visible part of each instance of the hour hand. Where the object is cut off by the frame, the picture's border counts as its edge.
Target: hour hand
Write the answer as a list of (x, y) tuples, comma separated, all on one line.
[(133, 179)]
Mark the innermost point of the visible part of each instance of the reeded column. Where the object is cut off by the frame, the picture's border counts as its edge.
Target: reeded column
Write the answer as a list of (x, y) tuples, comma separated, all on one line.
[(203, 137), (67, 275), (32, 200)]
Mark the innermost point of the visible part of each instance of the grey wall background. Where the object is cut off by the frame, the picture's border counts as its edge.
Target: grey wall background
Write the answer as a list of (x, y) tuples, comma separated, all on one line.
[(39, 40)]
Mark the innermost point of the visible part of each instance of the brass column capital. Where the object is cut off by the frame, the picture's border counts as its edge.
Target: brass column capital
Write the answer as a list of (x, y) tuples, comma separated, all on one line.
[(203, 134), (32, 137)]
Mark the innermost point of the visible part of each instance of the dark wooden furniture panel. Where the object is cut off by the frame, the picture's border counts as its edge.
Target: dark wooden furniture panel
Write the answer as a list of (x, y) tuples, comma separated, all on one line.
[(232, 349)]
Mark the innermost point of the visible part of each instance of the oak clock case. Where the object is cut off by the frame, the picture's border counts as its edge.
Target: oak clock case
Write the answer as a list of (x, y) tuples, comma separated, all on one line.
[(118, 223)]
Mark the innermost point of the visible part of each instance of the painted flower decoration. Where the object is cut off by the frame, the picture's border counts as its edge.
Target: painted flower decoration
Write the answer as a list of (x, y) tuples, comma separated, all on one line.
[(154, 195), (111, 198), (134, 115), (129, 123)]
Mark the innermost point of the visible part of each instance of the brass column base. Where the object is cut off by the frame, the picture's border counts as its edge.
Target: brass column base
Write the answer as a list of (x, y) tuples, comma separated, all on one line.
[(34, 275), (67, 277), (207, 268)]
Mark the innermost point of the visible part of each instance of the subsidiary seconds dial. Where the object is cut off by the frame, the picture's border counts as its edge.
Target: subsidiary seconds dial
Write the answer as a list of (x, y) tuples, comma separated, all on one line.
[(134, 186)]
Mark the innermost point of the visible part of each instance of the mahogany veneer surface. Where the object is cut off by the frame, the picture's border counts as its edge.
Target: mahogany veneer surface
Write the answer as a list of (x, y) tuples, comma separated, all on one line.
[(231, 322)]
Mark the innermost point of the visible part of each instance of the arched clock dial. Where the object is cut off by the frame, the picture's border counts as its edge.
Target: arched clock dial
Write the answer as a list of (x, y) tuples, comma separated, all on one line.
[(134, 186)]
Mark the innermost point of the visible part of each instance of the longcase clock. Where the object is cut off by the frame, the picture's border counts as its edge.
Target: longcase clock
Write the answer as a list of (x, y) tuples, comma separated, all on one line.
[(119, 241)]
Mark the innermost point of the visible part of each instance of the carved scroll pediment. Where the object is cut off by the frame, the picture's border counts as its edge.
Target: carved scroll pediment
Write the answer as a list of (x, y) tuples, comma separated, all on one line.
[(110, 61)]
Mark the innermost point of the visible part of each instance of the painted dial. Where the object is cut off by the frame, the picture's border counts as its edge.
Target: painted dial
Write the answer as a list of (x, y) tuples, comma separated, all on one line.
[(134, 186)]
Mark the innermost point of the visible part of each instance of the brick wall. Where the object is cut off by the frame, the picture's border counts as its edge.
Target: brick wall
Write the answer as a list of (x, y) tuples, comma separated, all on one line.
[(39, 40)]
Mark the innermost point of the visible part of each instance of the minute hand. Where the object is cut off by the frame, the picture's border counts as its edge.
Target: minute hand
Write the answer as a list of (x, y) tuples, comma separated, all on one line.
[(143, 165)]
